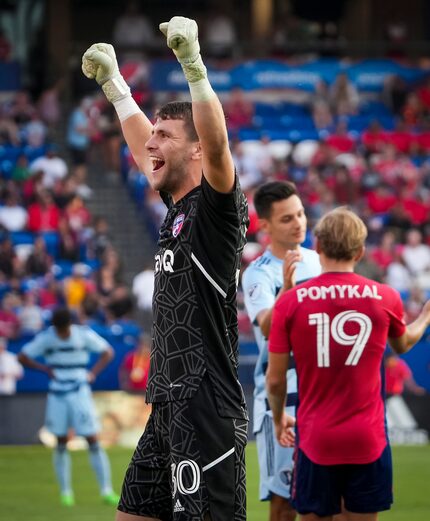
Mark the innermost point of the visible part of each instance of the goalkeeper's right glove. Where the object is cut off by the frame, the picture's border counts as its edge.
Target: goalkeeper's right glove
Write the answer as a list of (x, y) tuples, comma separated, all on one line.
[(99, 63)]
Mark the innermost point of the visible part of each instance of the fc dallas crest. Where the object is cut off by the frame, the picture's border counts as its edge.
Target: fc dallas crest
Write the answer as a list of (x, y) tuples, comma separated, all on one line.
[(177, 224)]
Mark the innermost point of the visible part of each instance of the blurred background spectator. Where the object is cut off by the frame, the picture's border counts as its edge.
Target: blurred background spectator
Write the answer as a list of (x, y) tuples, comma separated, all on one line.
[(398, 377), (10, 369), (135, 367)]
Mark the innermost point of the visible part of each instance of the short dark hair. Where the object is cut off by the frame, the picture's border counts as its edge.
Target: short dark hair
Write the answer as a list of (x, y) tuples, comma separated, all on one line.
[(270, 193), (180, 110), (61, 318)]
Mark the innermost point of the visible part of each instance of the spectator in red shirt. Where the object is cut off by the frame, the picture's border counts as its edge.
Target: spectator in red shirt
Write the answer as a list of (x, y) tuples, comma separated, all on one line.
[(384, 254), (133, 373), (374, 137), (400, 137), (77, 214), (238, 110), (424, 94), (345, 188), (398, 376), (412, 111), (32, 186), (5, 47), (50, 295), (9, 323), (341, 141), (43, 215), (415, 208), (381, 199)]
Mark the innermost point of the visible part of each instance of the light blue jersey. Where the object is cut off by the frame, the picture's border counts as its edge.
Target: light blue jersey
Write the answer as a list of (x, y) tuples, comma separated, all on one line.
[(261, 282), (68, 358)]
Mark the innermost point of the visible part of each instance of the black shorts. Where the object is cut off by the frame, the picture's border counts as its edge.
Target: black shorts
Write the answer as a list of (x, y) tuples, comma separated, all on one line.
[(188, 462)]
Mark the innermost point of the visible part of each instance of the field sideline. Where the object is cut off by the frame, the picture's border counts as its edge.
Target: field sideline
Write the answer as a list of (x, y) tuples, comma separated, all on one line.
[(28, 489)]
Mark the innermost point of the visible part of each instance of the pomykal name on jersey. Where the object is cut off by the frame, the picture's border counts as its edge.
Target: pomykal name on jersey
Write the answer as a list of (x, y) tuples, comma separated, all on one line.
[(164, 261)]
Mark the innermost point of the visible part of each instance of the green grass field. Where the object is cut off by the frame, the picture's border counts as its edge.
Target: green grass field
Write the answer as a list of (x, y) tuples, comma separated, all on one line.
[(28, 489)]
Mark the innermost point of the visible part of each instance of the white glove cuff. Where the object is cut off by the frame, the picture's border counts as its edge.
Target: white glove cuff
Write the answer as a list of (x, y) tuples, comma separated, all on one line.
[(194, 71), (201, 90), (116, 88), (126, 107)]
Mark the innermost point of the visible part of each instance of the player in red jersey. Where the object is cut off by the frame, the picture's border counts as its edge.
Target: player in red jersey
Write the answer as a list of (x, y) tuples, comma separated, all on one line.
[(337, 326)]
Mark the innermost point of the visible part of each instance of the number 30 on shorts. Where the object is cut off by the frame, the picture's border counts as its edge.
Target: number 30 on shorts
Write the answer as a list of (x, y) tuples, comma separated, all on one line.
[(337, 331), (192, 473)]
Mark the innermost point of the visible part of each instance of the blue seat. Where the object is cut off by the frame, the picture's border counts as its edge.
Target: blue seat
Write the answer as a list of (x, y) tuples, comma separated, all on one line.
[(11, 152), (358, 123), (33, 153), (405, 294), (268, 121), (268, 110), (22, 237), (375, 109), (275, 133), (295, 110), (247, 133), (6, 168), (62, 269), (298, 123), (52, 243), (297, 135)]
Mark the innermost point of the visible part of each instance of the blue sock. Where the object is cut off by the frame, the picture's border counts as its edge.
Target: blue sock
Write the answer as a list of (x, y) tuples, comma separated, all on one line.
[(61, 461), (100, 463)]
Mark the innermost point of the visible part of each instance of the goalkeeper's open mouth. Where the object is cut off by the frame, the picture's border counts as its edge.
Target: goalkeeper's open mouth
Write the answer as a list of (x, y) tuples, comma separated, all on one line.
[(157, 164)]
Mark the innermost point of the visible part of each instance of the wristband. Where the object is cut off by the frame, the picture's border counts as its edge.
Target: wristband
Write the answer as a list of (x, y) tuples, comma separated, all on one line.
[(116, 88), (126, 107), (201, 90)]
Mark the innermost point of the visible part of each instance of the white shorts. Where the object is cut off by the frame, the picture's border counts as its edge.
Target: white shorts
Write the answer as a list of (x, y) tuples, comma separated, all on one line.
[(72, 409), (276, 462)]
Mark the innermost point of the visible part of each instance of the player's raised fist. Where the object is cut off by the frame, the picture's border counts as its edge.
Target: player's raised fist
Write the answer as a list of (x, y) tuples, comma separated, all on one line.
[(99, 63), (182, 37)]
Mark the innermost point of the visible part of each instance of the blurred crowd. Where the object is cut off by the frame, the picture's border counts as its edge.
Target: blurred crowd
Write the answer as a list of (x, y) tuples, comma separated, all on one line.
[(372, 154), (52, 249), (338, 145)]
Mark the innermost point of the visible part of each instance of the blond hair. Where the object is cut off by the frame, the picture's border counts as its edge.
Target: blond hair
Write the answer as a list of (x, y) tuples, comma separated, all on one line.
[(341, 234)]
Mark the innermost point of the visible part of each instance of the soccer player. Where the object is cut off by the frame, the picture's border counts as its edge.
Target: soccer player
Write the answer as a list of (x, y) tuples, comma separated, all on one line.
[(189, 462), (337, 326), (66, 348), (284, 263)]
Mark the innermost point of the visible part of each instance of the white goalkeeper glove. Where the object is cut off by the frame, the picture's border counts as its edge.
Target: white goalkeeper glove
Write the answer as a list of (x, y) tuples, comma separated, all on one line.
[(182, 37), (99, 63)]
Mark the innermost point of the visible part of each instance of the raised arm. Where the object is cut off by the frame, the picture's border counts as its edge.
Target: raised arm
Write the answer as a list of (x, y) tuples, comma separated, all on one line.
[(182, 37), (99, 62)]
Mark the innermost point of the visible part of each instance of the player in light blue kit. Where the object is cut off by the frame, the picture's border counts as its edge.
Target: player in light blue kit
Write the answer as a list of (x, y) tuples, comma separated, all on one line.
[(66, 350), (283, 264)]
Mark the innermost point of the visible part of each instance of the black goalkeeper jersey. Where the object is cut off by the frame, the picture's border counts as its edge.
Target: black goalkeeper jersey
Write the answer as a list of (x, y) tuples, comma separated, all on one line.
[(194, 304)]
